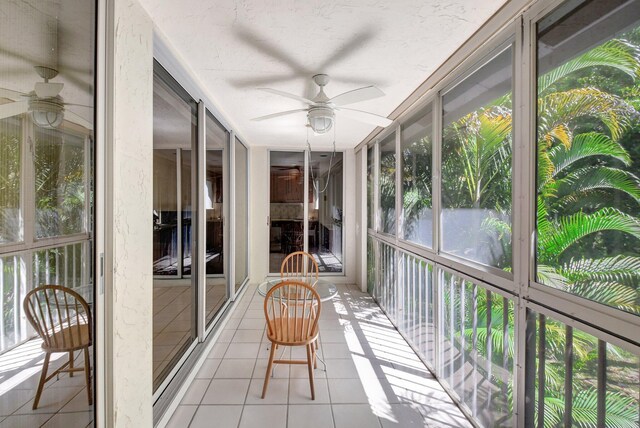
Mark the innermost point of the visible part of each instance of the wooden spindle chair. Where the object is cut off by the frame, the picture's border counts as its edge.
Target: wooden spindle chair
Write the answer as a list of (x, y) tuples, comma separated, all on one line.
[(300, 266), (291, 309), (62, 318)]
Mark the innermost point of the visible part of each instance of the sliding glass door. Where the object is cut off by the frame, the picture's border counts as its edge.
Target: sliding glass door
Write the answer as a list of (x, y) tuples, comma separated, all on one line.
[(241, 215), (326, 211), (174, 184), (316, 227), (217, 139), (190, 223), (47, 217), (286, 209)]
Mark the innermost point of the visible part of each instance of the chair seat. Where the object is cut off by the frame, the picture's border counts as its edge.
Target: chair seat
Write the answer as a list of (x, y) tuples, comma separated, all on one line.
[(70, 339), (291, 331)]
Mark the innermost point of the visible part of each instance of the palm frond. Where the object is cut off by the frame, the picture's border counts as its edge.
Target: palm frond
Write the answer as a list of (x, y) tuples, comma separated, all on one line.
[(610, 293), (571, 229), (615, 53), (564, 107), (549, 275), (582, 181), (586, 145), (621, 269), (620, 411)]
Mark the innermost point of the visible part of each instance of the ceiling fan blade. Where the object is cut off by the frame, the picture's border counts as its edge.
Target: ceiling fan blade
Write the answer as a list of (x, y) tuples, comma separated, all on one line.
[(74, 118), (288, 95), (365, 117), (78, 105), (348, 49), (48, 89), (13, 109), (260, 43), (8, 93), (357, 95), (282, 113)]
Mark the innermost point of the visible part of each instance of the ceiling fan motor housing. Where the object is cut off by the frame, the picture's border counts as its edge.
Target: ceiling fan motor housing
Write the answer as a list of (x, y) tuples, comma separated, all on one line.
[(320, 119)]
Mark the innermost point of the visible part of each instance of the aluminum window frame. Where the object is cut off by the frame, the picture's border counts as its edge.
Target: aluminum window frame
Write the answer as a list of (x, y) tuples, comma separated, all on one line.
[(610, 321), (427, 103), (605, 323)]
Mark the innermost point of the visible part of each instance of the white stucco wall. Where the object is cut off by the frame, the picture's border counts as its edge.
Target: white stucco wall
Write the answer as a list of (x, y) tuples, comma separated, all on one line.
[(350, 195), (129, 181), (259, 210)]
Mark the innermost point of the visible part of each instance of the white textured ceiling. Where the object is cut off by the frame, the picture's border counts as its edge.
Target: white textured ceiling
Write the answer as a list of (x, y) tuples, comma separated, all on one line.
[(51, 33), (235, 47)]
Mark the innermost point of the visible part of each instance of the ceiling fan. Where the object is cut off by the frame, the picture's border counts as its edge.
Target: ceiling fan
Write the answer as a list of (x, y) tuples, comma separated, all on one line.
[(322, 109), (44, 103)]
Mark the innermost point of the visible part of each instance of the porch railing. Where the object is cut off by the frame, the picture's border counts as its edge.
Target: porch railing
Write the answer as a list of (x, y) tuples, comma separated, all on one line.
[(464, 330), (67, 265)]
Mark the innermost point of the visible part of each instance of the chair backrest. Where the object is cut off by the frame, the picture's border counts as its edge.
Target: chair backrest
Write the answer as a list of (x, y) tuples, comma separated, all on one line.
[(292, 309), (52, 309), (300, 265)]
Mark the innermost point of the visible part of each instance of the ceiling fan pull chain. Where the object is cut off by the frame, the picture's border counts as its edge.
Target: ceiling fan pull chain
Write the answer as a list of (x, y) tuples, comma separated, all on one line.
[(333, 155)]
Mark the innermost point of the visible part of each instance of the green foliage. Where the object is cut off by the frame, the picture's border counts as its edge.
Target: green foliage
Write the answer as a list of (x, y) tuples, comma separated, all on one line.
[(588, 230), (621, 411)]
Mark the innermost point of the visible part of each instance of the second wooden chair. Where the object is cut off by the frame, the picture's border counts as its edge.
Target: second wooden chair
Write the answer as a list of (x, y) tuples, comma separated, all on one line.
[(300, 266)]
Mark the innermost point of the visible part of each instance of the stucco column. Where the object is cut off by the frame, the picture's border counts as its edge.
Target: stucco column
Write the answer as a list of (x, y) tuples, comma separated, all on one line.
[(128, 205)]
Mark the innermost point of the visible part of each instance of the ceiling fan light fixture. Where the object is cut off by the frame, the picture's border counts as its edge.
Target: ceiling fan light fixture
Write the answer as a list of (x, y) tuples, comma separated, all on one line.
[(47, 114), (320, 119)]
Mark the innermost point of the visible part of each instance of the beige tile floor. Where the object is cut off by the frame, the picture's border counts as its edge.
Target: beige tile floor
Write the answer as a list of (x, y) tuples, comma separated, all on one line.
[(64, 399), (372, 377), (172, 319)]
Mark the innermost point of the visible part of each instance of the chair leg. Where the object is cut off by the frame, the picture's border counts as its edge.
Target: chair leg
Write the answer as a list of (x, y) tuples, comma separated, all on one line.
[(309, 363), (269, 368), (43, 377), (71, 363), (87, 375), (315, 358)]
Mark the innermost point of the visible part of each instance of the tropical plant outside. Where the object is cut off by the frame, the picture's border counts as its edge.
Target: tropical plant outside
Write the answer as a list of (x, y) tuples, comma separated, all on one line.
[(588, 225), (59, 190)]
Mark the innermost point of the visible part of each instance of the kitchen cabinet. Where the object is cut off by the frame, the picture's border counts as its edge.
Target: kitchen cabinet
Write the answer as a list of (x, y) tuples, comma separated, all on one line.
[(288, 187)]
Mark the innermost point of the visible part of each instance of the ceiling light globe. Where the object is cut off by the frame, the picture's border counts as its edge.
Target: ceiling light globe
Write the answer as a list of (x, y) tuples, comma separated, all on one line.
[(47, 119), (320, 119), (47, 113)]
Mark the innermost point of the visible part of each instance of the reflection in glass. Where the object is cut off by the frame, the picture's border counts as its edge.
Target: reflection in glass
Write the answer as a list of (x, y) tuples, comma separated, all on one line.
[(186, 208), (325, 210), (59, 191), (46, 188), (416, 178), (10, 180), (286, 232), (165, 207), (370, 177), (174, 291), (216, 284), (242, 213), (588, 178), (476, 165), (12, 330), (387, 185)]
